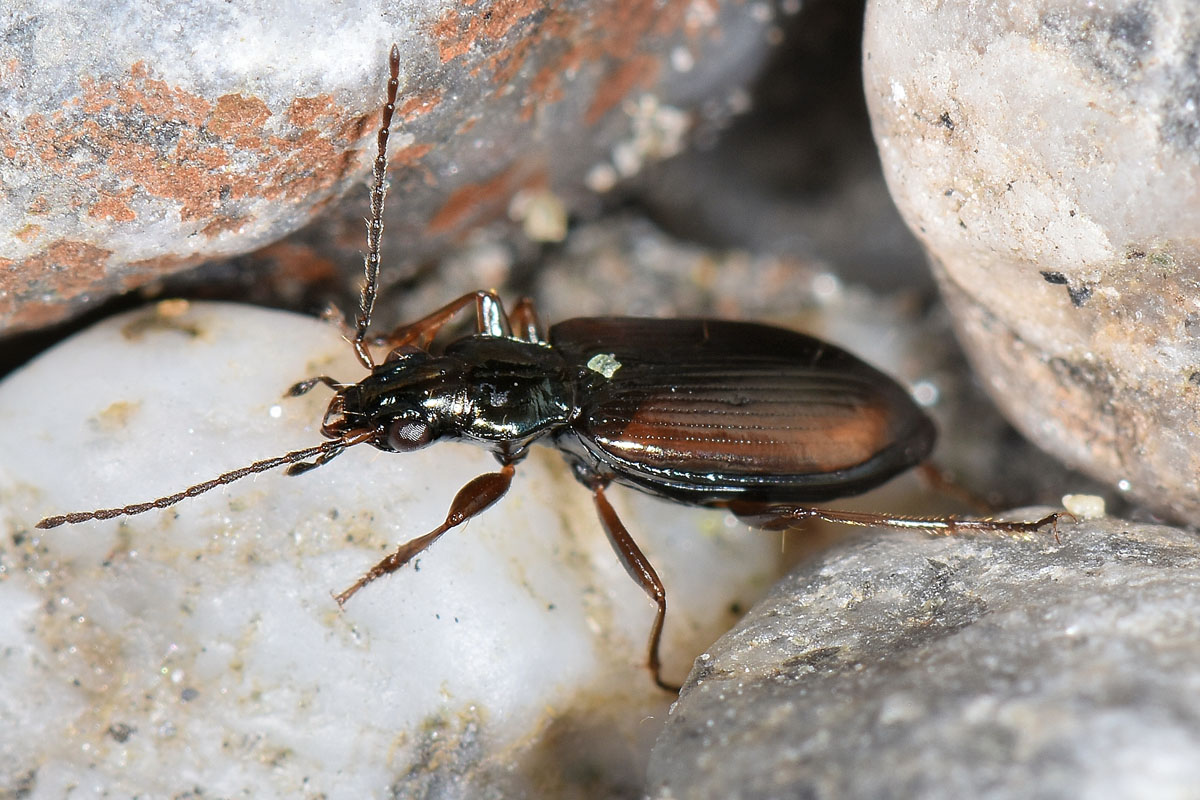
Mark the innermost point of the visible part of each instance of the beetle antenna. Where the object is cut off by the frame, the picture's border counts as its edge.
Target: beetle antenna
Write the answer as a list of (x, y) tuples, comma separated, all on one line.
[(370, 288), (323, 452)]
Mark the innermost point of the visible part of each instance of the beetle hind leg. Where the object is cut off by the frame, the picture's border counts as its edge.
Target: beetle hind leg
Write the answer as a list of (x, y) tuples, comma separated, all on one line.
[(773, 516), (643, 574)]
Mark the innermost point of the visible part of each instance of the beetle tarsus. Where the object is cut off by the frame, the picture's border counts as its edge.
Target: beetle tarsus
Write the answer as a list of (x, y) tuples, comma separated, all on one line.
[(305, 386), (393, 561), (301, 467)]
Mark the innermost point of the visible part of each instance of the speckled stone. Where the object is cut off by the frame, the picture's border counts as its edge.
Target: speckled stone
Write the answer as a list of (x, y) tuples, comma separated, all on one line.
[(198, 649), (899, 665), (1046, 155), (190, 131)]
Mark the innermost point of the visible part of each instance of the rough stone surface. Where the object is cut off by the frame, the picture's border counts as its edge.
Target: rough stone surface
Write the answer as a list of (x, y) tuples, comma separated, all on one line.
[(907, 666), (1046, 154), (190, 132), (198, 650)]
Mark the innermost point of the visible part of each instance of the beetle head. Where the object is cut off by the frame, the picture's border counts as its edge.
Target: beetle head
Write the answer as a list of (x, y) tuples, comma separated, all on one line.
[(399, 404)]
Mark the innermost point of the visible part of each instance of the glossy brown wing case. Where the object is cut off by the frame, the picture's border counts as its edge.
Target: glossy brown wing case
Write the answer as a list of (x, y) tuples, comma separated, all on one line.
[(706, 411)]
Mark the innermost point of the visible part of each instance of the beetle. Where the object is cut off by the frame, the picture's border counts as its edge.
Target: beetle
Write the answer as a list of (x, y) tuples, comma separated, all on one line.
[(755, 419)]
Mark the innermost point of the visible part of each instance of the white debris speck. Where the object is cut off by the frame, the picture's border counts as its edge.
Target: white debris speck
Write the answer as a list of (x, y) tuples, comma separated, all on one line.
[(682, 59), (926, 393), (1084, 506), (542, 215), (601, 178), (604, 363)]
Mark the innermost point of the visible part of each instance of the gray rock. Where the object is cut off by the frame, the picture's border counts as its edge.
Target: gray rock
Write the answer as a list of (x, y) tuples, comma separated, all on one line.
[(908, 666), (1045, 154), (190, 131)]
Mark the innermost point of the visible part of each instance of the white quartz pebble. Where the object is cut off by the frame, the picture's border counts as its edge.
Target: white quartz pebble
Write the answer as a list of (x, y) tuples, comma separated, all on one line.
[(199, 649)]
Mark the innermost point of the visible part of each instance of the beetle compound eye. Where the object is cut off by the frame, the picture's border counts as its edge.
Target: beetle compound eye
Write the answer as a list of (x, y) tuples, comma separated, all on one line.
[(409, 433)]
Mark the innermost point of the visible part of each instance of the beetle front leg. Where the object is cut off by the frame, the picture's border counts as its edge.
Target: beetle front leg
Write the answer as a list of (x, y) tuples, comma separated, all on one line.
[(471, 500), (643, 574)]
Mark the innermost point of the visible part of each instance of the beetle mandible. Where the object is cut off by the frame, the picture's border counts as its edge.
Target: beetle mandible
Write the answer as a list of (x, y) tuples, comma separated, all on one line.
[(755, 419)]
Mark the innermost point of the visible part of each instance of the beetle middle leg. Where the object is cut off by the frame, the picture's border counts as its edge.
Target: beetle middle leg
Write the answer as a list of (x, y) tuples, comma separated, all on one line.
[(470, 501), (525, 322), (490, 319), (643, 574)]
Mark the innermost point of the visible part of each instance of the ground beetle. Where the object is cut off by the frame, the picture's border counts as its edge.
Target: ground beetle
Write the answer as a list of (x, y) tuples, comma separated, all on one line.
[(756, 419)]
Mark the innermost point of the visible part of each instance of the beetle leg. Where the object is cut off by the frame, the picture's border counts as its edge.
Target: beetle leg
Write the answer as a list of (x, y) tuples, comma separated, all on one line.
[(333, 315), (303, 387), (781, 517), (525, 323), (470, 501), (490, 319), (301, 467), (643, 574)]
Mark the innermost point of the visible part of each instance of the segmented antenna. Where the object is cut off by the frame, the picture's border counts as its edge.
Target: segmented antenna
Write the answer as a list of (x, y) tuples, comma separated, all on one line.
[(370, 286), (323, 452)]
